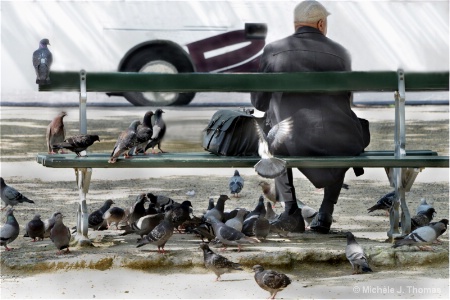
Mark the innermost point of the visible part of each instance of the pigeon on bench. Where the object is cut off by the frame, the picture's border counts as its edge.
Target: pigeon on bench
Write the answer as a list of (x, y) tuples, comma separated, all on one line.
[(159, 131), (42, 61), (77, 143), (143, 135), (126, 140), (55, 132)]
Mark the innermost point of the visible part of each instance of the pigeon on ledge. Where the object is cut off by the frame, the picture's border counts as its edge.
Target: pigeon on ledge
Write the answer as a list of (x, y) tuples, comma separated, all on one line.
[(355, 255)]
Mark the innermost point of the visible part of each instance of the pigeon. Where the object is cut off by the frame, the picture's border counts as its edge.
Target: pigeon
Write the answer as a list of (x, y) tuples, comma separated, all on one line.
[(144, 225), (443, 221), (308, 213), (35, 228), (217, 263), (422, 236), (10, 230), (138, 210), (160, 200), (60, 235), (259, 209), (180, 212), (355, 255), (236, 184), (77, 143), (10, 196), (270, 166), (288, 222), (250, 219), (113, 215), (423, 206), (261, 228), (228, 235), (95, 219), (42, 61), (159, 130), (210, 204), (126, 140), (160, 234), (49, 223), (385, 203), (270, 213), (237, 221), (218, 210), (143, 134), (271, 281), (268, 191), (205, 231), (55, 132), (422, 219)]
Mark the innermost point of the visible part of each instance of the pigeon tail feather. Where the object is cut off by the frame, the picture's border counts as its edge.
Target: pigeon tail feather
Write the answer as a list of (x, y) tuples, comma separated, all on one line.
[(270, 167)]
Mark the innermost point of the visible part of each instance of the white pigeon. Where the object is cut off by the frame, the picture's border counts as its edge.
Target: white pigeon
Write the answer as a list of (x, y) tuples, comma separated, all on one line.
[(270, 166)]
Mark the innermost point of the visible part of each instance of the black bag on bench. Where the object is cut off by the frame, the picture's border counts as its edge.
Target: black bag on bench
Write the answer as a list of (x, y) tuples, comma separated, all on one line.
[(232, 133)]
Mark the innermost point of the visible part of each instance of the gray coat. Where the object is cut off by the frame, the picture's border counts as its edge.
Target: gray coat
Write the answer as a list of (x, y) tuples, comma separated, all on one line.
[(324, 124)]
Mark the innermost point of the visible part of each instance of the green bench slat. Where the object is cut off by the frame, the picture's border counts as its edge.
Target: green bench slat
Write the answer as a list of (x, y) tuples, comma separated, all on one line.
[(247, 82), (207, 160)]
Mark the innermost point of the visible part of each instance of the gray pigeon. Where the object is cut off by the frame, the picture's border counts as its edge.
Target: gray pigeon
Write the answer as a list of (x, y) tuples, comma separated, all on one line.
[(35, 228), (217, 263), (261, 228), (385, 203), (144, 134), (56, 132), (355, 255), (422, 219), (113, 215), (228, 235), (160, 201), (237, 221), (423, 206), (308, 213), (42, 61), (159, 130), (77, 143), (138, 210), (126, 140), (60, 235), (144, 225), (218, 210), (10, 196), (236, 184), (422, 236), (268, 191), (95, 219), (270, 166), (271, 215), (259, 209), (271, 281), (288, 222), (49, 223), (160, 234), (443, 221), (210, 204), (10, 230)]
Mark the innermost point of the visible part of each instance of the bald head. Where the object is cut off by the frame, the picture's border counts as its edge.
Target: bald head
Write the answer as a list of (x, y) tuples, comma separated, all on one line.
[(311, 13)]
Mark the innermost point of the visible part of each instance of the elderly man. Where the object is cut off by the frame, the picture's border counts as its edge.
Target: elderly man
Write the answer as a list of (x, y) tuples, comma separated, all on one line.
[(324, 123)]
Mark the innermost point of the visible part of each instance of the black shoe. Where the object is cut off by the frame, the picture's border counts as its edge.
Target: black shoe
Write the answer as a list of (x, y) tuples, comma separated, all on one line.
[(321, 223)]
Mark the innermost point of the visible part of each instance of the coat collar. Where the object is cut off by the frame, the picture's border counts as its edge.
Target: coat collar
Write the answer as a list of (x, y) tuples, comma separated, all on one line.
[(307, 29)]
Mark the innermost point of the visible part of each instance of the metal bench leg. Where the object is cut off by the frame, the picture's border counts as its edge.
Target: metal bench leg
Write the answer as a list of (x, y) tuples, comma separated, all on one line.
[(83, 176)]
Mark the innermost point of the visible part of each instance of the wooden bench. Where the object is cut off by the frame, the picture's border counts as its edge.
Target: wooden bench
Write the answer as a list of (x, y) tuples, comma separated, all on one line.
[(401, 166)]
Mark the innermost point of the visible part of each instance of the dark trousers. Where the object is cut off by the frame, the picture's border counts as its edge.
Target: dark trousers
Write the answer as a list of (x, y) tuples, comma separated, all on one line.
[(285, 191)]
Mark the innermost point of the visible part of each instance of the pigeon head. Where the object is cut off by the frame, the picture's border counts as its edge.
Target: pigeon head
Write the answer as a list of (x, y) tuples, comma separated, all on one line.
[(9, 212), (152, 197), (62, 114), (429, 213), (204, 246), (142, 198), (186, 203), (444, 221), (43, 43), (2, 182), (349, 236), (258, 268), (95, 137), (158, 112), (37, 217), (57, 213), (134, 125), (148, 118), (236, 173)]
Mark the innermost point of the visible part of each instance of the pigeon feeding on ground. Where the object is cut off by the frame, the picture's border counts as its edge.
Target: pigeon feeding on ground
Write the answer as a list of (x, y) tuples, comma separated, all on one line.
[(217, 263), (42, 61), (218, 210), (422, 236), (144, 225), (236, 184), (159, 130), (238, 221), (60, 235), (49, 223), (180, 213), (138, 210), (385, 203), (229, 236), (95, 219), (160, 201), (55, 132), (308, 213), (126, 140), (355, 255), (143, 134), (35, 228), (10, 230), (422, 219), (288, 222), (270, 213), (270, 280), (423, 206), (113, 215), (270, 166), (77, 143), (160, 234), (10, 196)]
